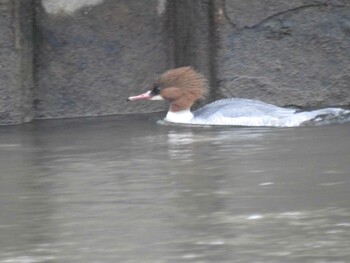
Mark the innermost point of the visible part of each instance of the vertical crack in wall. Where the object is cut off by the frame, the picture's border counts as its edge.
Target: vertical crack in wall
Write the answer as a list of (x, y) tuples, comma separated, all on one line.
[(213, 42), (36, 54), (23, 18), (193, 37)]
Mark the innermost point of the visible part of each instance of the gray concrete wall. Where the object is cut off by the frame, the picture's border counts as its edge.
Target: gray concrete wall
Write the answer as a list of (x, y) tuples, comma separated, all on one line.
[(16, 61), (93, 54), (90, 55), (285, 52)]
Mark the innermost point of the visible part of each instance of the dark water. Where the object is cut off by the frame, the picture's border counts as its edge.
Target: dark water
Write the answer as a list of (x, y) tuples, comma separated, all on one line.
[(129, 190)]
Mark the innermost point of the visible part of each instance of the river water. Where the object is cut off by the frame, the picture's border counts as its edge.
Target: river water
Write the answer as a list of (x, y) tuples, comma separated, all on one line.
[(126, 189)]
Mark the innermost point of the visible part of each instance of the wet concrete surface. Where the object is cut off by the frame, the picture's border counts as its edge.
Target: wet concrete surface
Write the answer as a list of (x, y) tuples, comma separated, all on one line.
[(126, 189)]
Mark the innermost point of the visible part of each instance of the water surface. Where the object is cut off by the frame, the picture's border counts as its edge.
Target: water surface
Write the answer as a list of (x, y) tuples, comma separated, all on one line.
[(125, 189)]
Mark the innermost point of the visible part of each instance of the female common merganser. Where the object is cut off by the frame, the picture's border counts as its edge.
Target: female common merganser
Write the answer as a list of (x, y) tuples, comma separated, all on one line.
[(183, 86)]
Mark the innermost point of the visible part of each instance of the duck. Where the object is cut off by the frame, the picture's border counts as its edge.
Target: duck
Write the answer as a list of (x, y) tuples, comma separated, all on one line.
[(183, 86)]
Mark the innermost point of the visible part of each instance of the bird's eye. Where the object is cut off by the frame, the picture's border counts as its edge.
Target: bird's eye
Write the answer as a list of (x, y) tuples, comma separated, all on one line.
[(156, 90)]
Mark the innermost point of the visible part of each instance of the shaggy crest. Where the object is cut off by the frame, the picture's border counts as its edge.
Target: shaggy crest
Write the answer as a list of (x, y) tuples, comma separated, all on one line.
[(182, 86)]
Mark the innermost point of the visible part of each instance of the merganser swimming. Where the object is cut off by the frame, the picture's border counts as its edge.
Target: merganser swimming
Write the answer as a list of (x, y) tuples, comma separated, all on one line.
[(183, 86)]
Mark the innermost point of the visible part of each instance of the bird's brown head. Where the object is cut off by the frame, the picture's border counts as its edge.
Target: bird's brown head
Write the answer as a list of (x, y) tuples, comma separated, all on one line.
[(181, 86)]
